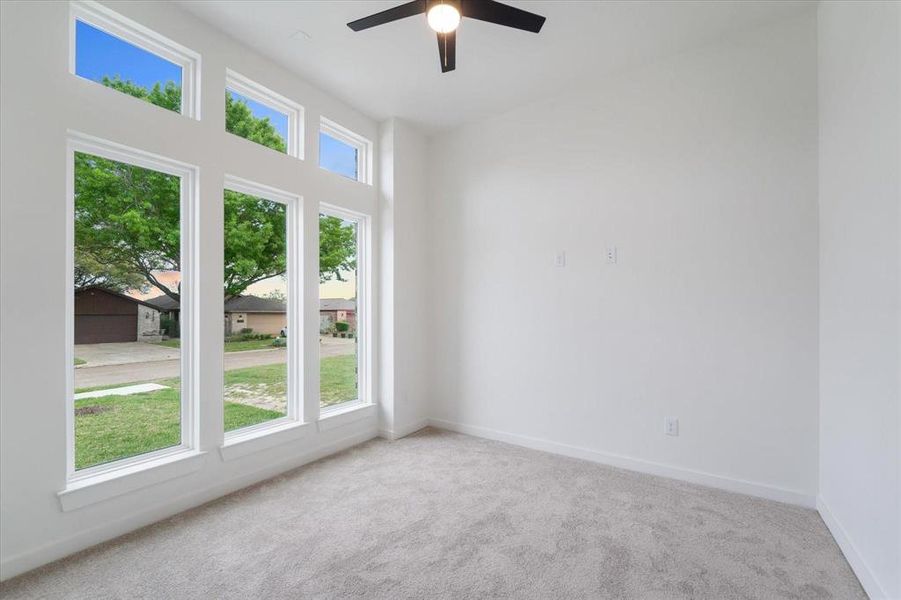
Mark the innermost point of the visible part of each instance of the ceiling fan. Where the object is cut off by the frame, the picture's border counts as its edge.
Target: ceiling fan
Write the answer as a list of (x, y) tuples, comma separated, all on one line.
[(444, 16)]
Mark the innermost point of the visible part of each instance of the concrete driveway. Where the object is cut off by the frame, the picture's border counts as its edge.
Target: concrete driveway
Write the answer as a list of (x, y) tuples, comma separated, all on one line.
[(162, 369), (130, 362), (123, 353), (329, 346)]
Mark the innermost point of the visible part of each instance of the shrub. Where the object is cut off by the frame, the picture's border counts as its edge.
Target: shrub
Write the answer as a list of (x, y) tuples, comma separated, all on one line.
[(170, 326), (342, 327), (247, 330), (246, 337)]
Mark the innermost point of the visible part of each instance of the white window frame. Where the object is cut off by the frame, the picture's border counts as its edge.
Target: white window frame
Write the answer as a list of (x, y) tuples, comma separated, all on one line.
[(363, 305), (116, 25), (189, 192), (294, 314), (245, 86), (362, 145)]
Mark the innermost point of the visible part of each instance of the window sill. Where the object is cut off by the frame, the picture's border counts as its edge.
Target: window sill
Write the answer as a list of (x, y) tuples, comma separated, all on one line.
[(97, 488), (337, 417), (242, 444)]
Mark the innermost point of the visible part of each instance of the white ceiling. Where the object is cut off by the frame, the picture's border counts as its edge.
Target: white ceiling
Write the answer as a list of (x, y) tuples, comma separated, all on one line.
[(393, 70)]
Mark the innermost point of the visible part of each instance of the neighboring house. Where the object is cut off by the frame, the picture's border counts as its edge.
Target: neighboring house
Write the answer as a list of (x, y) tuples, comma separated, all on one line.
[(104, 316), (263, 315), (332, 310), (266, 315), (168, 309)]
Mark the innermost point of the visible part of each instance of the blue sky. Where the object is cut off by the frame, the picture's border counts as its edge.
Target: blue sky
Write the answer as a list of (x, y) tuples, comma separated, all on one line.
[(336, 156), (99, 53)]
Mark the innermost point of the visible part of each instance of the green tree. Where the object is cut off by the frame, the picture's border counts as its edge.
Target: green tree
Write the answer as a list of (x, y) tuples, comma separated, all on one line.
[(254, 241), (127, 218), (240, 120), (337, 248), (93, 270), (167, 96)]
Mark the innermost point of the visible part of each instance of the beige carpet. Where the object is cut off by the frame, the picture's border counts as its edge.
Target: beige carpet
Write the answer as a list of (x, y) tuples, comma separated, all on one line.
[(442, 515)]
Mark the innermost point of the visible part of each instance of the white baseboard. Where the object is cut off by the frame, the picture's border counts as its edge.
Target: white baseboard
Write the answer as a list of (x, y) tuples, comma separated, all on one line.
[(403, 430), (740, 486), (865, 575), (22, 563)]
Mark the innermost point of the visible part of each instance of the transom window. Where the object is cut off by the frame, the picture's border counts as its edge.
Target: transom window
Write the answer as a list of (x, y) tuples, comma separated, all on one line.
[(260, 115), (122, 55), (344, 152)]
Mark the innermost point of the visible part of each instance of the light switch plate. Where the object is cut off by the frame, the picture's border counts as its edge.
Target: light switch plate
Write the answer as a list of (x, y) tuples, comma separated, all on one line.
[(671, 426), (560, 259), (611, 255)]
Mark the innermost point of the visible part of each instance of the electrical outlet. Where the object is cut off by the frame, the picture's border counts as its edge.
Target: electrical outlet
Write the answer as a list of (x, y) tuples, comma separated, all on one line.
[(671, 426), (560, 259), (611, 255)]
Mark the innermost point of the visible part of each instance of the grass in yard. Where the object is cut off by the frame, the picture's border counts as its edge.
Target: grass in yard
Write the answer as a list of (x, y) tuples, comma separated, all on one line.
[(116, 427), (273, 375), (242, 415), (79, 361), (267, 383), (229, 346), (337, 379), (248, 345)]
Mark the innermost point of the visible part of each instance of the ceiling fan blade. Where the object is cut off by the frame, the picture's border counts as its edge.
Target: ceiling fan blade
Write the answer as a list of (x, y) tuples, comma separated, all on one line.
[(502, 14), (447, 50), (417, 7)]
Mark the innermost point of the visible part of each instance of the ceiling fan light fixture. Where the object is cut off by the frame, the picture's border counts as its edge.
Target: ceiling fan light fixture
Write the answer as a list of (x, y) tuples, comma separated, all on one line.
[(443, 18)]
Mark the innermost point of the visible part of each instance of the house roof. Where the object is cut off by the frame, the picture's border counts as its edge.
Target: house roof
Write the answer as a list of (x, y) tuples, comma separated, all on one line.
[(337, 304), (100, 288), (255, 304), (163, 302)]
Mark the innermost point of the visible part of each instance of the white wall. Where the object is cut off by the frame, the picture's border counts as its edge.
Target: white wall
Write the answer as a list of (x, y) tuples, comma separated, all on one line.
[(702, 171), (860, 297), (40, 100), (404, 313), (412, 317)]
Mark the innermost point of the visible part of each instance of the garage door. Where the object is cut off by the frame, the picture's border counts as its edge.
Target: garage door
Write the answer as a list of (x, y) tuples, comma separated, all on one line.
[(102, 329)]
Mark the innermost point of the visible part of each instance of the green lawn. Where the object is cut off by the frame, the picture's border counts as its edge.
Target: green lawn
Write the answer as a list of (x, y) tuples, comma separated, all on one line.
[(337, 379), (268, 381), (248, 345), (229, 346), (116, 427)]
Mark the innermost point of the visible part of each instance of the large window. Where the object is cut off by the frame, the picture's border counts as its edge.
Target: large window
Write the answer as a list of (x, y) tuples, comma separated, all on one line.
[(131, 216), (260, 115), (134, 369), (125, 56), (260, 298), (341, 309), (344, 152)]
